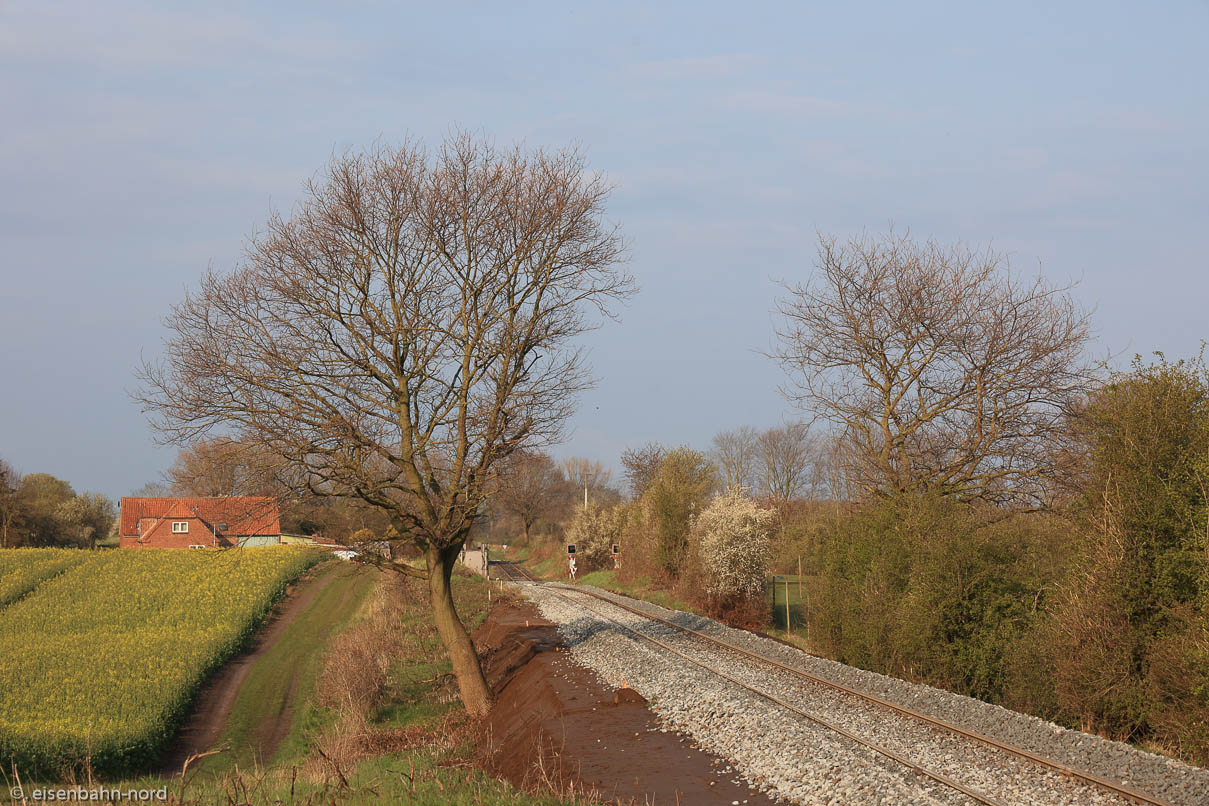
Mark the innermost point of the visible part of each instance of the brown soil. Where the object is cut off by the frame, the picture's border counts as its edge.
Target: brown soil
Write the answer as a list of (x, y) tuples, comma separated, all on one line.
[(555, 724), (212, 704)]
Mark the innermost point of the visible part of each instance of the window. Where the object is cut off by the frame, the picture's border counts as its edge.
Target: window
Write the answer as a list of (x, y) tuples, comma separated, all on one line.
[(222, 526), (197, 547), (180, 527)]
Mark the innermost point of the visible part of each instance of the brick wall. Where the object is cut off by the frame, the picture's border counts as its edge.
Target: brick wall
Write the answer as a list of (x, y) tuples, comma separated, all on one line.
[(162, 536)]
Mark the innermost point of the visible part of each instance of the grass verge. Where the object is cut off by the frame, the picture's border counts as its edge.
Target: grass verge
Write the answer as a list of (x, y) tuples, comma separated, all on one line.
[(638, 588), (285, 676), (642, 587)]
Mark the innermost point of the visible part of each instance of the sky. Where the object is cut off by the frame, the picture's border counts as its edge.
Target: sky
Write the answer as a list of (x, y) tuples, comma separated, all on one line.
[(144, 142)]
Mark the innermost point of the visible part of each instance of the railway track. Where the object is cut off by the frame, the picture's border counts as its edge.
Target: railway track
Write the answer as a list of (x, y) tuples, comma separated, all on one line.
[(580, 597)]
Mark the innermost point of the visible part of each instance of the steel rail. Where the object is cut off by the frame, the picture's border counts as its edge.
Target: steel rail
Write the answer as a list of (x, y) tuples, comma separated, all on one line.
[(1116, 788), (911, 765), (1091, 778)]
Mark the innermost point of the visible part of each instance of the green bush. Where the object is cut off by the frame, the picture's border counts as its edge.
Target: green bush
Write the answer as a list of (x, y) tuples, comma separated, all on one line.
[(1130, 645), (1096, 619), (678, 492), (938, 591)]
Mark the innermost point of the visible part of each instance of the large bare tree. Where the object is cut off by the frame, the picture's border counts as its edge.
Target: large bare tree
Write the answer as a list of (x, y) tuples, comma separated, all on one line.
[(938, 369), (642, 466), (531, 487), (408, 327), (736, 455), (225, 467), (784, 461)]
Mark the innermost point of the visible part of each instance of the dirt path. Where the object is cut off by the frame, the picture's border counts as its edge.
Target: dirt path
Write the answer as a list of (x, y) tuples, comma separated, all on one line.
[(555, 722), (271, 731), (213, 703)]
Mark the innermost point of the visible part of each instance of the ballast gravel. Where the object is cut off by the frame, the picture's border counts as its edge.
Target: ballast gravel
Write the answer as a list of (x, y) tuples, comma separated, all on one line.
[(788, 756)]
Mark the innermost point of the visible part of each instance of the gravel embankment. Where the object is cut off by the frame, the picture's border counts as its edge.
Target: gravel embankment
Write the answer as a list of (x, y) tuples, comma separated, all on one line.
[(786, 755)]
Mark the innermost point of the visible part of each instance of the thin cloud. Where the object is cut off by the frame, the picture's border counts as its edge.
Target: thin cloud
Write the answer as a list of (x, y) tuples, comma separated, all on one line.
[(145, 37), (722, 65), (771, 102)]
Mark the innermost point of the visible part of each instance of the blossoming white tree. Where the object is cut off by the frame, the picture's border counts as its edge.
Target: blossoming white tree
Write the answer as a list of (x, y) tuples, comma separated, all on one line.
[(735, 545)]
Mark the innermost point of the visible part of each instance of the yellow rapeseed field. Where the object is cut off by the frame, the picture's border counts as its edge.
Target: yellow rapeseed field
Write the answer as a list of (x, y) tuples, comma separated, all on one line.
[(22, 570), (100, 662)]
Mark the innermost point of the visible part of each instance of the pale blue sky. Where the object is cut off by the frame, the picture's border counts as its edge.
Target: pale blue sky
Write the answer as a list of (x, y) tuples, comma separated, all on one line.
[(143, 141)]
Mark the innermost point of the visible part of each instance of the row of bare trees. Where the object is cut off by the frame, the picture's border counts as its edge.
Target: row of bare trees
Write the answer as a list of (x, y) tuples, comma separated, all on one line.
[(780, 463), (530, 489), (533, 489)]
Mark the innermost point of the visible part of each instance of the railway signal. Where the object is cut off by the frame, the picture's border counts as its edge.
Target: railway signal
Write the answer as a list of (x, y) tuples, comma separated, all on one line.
[(616, 557), (571, 560)]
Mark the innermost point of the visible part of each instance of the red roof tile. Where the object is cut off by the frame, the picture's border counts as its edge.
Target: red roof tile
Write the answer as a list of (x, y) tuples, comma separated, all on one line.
[(244, 515)]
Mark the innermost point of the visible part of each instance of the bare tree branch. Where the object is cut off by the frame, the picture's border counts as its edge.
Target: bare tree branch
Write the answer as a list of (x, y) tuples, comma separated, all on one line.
[(785, 458), (938, 369), (737, 457), (530, 487)]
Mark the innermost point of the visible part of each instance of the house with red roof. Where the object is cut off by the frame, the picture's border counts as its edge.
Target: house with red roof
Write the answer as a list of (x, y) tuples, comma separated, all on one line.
[(178, 523)]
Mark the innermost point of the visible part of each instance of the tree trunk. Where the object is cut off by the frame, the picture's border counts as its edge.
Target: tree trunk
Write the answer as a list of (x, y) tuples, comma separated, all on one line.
[(472, 684), (526, 524)]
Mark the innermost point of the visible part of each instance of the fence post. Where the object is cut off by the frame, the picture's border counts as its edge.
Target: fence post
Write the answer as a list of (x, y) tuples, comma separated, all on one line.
[(788, 626)]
